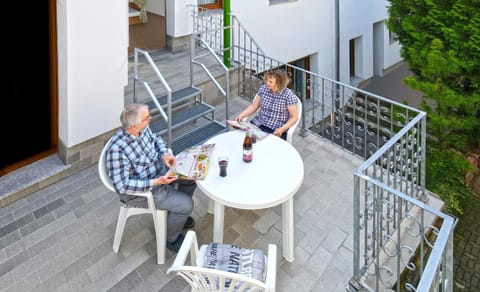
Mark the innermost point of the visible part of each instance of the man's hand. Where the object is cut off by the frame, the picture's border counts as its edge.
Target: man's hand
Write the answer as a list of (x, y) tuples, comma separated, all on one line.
[(169, 160), (164, 180)]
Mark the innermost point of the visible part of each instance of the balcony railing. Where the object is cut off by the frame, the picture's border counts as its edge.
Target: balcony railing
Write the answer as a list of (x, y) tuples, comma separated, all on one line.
[(402, 241)]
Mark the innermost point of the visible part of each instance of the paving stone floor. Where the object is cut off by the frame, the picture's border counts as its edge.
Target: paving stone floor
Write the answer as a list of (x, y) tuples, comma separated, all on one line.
[(60, 238), (466, 251)]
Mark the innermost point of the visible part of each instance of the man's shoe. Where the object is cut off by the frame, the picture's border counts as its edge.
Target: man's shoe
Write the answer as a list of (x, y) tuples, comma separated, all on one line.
[(175, 246), (190, 223)]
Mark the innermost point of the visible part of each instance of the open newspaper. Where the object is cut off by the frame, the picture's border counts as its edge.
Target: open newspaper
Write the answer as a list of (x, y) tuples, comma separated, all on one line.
[(192, 163), (247, 126)]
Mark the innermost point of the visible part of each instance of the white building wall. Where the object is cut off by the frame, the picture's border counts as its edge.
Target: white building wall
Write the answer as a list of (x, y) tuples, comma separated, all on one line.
[(392, 52), (179, 19), (156, 6), (291, 30), (357, 20), (92, 67)]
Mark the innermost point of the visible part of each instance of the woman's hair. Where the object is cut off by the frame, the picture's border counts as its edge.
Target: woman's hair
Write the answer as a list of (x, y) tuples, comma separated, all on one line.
[(281, 79), (130, 115)]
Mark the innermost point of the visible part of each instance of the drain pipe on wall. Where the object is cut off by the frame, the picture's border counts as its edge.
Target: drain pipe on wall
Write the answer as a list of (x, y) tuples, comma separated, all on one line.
[(226, 33), (336, 103), (337, 41)]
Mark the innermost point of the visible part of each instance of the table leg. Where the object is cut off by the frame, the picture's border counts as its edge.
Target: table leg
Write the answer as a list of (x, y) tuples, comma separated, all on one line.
[(210, 208), (218, 219), (288, 230)]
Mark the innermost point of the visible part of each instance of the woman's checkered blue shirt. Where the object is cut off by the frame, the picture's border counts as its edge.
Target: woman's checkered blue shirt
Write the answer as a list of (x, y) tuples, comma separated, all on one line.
[(273, 112)]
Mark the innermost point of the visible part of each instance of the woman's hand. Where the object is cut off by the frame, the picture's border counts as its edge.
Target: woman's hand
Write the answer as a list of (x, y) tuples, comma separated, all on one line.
[(278, 132), (239, 118)]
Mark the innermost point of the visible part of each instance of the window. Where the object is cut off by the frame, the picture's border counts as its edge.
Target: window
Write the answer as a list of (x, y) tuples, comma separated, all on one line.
[(392, 37), (273, 2)]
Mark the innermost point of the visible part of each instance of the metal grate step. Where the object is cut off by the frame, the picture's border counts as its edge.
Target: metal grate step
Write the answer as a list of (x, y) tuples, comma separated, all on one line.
[(177, 97), (183, 117), (197, 136)]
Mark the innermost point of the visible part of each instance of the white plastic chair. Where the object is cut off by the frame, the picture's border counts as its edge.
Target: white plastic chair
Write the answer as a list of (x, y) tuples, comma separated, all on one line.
[(203, 279), (159, 216), (294, 126)]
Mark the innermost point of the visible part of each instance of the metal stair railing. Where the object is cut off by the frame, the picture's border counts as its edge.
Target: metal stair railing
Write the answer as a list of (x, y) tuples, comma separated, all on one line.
[(389, 188), (210, 52), (136, 77), (210, 45)]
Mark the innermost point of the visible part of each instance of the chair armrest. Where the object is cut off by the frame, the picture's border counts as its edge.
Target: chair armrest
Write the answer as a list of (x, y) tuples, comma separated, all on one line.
[(212, 278), (142, 194), (270, 278), (189, 246)]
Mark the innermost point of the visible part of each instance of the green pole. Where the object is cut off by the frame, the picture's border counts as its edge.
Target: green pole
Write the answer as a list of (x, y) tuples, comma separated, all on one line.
[(226, 33)]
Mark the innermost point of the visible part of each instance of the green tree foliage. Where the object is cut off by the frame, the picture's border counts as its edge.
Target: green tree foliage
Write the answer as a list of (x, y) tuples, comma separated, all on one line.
[(441, 45), (446, 177)]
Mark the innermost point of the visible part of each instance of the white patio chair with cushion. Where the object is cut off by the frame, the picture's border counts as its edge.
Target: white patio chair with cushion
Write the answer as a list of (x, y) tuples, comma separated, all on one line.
[(159, 216), (202, 278)]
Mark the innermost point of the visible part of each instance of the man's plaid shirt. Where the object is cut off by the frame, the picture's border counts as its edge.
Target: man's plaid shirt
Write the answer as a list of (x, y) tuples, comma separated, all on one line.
[(132, 162)]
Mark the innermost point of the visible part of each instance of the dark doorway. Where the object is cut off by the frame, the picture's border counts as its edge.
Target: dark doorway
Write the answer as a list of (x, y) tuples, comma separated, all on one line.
[(148, 36), (300, 80), (29, 111)]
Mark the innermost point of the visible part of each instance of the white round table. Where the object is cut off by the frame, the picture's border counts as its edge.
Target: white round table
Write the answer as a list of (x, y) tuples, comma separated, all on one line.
[(272, 178)]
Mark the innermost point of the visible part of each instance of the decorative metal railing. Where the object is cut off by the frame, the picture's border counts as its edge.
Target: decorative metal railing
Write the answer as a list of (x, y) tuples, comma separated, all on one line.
[(399, 233), (400, 236)]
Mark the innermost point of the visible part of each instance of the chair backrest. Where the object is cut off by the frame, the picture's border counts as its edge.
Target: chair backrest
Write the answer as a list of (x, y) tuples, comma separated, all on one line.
[(294, 126), (203, 279), (102, 168)]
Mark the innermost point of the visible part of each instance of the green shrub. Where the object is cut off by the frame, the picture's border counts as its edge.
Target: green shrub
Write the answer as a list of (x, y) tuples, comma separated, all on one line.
[(445, 176)]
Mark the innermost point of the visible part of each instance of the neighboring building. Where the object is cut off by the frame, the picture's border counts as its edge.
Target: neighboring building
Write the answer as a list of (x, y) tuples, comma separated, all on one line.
[(293, 30), (92, 47)]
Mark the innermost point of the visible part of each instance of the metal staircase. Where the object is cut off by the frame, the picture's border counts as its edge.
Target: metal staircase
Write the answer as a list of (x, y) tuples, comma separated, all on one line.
[(182, 117)]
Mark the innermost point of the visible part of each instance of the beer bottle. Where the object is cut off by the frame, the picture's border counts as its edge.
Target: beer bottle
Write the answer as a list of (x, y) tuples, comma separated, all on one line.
[(247, 148)]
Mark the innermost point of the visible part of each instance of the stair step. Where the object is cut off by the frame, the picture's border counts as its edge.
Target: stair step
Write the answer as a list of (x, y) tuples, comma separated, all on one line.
[(197, 136), (183, 117), (177, 97)]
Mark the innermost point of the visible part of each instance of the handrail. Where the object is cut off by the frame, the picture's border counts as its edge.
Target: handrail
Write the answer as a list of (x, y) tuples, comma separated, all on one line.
[(157, 104), (194, 58), (205, 69), (247, 33), (393, 140), (152, 95), (444, 238)]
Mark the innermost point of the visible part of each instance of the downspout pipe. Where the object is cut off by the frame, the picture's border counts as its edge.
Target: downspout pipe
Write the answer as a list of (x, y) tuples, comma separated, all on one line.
[(336, 104), (226, 33), (337, 40)]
